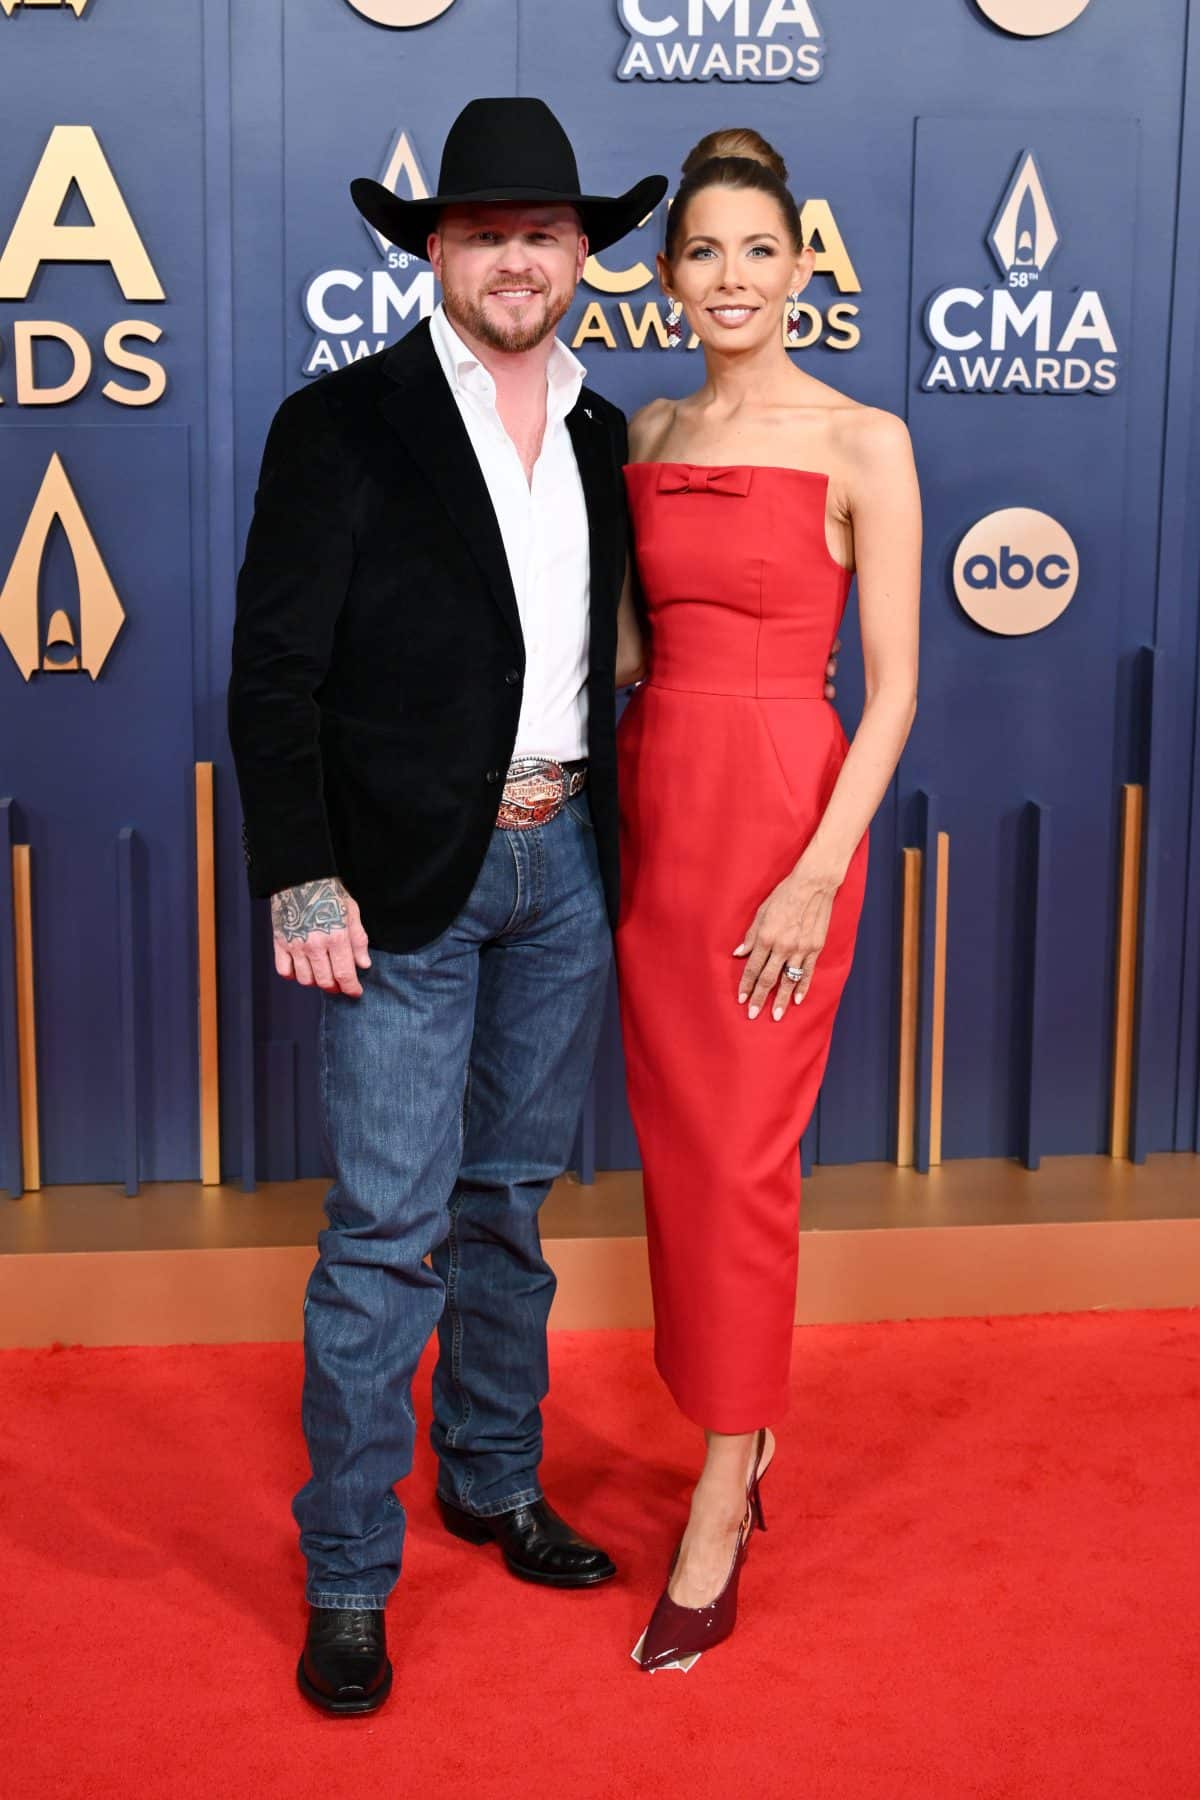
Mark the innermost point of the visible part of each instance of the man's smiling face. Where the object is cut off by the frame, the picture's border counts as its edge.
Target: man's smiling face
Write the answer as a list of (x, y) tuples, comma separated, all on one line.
[(508, 272)]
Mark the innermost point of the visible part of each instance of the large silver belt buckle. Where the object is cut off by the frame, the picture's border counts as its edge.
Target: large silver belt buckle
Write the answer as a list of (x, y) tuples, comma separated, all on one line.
[(534, 793)]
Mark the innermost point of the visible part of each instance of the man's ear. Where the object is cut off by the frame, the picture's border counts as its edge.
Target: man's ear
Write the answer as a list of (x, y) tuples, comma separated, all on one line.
[(581, 259), (433, 251)]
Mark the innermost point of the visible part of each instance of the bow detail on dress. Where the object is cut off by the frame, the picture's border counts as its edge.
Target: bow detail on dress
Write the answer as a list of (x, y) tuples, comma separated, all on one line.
[(696, 478)]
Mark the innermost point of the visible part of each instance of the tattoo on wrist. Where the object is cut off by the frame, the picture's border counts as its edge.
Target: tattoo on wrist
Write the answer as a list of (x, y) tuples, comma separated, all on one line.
[(313, 906)]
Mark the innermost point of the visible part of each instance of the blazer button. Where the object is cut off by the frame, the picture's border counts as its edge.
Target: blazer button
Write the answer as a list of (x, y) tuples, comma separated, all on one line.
[(493, 775), (513, 676)]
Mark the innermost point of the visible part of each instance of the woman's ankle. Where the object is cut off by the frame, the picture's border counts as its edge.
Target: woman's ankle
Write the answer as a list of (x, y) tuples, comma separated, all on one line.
[(718, 1501)]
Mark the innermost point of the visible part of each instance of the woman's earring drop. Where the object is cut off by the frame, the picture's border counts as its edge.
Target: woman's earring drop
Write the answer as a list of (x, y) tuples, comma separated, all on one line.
[(675, 325), (795, 321)]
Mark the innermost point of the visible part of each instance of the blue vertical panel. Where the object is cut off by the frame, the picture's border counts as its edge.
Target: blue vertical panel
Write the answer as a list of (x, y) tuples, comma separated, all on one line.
[(128, 916), (92, 754), (616, 1140), (1034, 980), (276, 1091), (258, 313), (12, 1175), (259, 309), (87, 757), (583, 1157), (1003, 713)]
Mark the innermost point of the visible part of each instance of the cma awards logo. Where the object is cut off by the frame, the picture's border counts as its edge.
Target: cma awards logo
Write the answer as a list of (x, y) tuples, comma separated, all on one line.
[(731, 40), (1016, 571), (352, 311), (1019, 337), (101, 615), (78, 7)]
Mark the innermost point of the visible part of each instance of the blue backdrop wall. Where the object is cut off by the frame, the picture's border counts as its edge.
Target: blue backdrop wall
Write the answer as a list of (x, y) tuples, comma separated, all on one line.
[(218, 141)]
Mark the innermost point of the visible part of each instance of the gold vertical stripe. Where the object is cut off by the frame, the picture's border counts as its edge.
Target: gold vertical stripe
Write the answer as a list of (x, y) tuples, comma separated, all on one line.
[(937, 1055), (910, 979), (206, 918), (1127, 934), (31, 1147)]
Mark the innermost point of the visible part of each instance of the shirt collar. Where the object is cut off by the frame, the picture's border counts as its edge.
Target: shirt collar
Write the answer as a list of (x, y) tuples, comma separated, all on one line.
[(565, 374)]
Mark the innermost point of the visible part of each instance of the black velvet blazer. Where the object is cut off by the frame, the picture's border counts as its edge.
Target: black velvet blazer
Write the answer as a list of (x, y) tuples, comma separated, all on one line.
[(378, 662)]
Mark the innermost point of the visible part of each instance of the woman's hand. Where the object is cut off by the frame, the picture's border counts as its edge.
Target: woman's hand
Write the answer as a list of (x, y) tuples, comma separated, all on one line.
[(788, 932)]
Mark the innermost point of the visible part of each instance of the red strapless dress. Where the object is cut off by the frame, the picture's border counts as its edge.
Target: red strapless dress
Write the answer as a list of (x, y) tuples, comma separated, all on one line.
[(727, 757)]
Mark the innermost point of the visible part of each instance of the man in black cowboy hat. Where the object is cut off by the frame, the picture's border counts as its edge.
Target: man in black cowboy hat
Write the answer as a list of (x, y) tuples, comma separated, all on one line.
[(422, 716)]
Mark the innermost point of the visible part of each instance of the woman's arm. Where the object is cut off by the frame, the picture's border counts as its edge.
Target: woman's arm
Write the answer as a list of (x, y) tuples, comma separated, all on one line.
[(631, 645), (646, 424), (885, 506)]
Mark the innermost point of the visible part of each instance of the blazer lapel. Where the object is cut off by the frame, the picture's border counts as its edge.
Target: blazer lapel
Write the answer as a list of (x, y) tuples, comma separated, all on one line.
[(589, 439), (421, 408)]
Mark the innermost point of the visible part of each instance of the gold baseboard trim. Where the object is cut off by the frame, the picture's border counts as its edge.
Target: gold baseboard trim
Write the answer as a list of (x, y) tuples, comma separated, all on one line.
[(910, 990), (1126, 975), (255, 1295)]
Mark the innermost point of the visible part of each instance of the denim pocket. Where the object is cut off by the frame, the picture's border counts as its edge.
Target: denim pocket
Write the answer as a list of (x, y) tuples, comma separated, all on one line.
[(580, 811)]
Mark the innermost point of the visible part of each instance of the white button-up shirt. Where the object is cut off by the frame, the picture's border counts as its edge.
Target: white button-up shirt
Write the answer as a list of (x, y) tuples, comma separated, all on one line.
[(545, 529)]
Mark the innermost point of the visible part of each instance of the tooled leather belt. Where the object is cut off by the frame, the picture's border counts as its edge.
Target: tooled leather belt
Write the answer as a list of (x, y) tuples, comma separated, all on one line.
[(536, 790)]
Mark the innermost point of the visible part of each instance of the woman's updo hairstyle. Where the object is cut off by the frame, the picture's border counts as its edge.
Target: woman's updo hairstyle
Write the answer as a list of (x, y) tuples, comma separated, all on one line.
[(737, 158)]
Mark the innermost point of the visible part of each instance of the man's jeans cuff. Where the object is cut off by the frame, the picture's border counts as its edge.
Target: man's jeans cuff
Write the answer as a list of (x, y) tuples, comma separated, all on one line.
[(527, 1497), (347, 1602)]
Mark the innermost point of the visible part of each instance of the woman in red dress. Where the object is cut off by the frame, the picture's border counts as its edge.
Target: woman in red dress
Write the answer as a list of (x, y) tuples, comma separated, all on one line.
[(754, 502)]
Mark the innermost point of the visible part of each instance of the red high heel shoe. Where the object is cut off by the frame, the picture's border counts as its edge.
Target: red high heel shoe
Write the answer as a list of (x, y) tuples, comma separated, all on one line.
[(676, 1632)]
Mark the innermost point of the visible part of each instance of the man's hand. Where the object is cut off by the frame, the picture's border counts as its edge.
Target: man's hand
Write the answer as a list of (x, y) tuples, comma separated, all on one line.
[(319, 937), (831, 669)]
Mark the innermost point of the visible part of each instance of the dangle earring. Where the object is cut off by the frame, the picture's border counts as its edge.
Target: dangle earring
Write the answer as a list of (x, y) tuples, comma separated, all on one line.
[(794, 321), (675, 325)]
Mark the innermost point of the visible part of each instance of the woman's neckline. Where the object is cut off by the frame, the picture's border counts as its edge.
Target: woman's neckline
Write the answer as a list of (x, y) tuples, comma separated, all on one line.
[(771, 468), (674, 462)]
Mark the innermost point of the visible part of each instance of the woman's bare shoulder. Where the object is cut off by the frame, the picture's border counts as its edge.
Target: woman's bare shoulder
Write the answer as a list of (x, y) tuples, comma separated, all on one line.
[(648, 428), (869, 436)]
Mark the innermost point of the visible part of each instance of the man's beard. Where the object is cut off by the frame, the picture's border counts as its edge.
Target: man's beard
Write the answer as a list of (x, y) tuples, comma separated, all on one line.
[(471, 314)]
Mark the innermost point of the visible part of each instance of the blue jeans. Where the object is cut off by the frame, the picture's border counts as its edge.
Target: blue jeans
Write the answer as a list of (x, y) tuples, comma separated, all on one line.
[(451, 1094)]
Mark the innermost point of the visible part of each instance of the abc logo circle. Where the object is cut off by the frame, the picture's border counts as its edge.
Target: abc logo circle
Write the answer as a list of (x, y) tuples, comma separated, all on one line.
[(1033, 18), (401, 15), (1016, 571)]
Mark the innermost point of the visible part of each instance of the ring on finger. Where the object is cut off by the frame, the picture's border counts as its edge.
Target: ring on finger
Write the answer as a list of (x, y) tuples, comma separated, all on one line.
[(795, 971)]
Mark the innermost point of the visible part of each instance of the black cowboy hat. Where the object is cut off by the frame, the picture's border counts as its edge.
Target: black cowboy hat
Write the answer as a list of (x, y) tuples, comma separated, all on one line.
[(513, 150)]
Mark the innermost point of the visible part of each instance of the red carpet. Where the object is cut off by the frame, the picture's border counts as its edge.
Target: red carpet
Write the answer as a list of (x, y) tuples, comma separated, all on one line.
[(980, 1579)]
